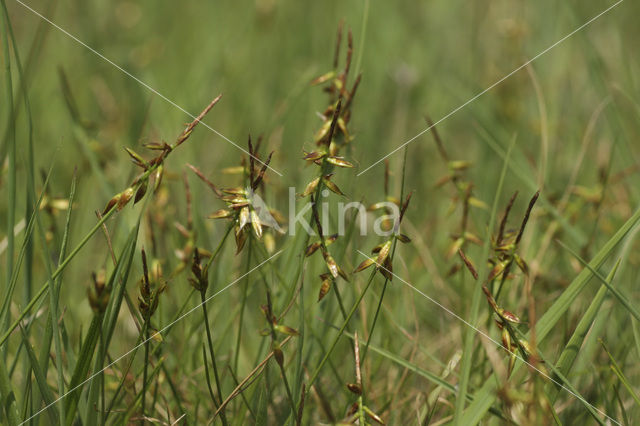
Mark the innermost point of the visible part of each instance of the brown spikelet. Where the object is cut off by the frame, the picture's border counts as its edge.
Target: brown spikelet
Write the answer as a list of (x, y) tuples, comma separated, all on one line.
[(364, 265), (468, 264), (332, 186), (324, 288), (187, 132), (339, 161), (532, 202), (265, 165), (277, 354), (111, 204), (503, 222), (311, 187), (205, 180), (125, 197), (142, 190), (136, 158)]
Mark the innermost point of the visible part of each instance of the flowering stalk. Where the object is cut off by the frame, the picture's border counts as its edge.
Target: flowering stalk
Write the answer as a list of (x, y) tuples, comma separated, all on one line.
[(274, 327), (147, 304), (505, 254), (359, 411), (386, 264), (200, 281), (332, 136), (154, 167)]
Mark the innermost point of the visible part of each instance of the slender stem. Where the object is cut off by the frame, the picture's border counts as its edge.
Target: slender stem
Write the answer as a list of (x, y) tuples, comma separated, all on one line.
[(393, 254), (220, 244), (212, 355), (242, 395), (242, 306), (340, 304), (341, 331), (361, 417), (246, 382), (375, 319), (206, 372), (102, 387), (55, 274), (11, 141), (286, 385), (146, 364), (166, 331)]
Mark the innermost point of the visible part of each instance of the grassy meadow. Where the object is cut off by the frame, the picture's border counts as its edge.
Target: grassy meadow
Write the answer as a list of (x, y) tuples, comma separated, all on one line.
[(495, 143)]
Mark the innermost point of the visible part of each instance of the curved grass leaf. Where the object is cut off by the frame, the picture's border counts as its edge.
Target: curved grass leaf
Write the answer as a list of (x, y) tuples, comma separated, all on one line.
[(41, 379), (99, 320), (486, 395), (572, 348)]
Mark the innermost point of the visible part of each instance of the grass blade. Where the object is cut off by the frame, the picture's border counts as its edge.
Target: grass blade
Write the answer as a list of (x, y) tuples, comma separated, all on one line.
[(40, 377), (487, 394), (57, 272), (621, 298), (108, 319), (618, 371), (572, 348), (8, 397)]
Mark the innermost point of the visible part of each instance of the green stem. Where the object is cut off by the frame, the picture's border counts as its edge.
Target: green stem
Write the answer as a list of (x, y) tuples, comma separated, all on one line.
[(242, 306), (212, 355), (220, 245), (11, 140), (8, 397), (375, 320), (289, 394), (103, 397), (55, 274), (324, 360), (146, 364), (393, 255)]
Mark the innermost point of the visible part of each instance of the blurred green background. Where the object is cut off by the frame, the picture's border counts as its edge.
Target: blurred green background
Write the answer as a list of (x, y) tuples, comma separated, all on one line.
[(417, 58)]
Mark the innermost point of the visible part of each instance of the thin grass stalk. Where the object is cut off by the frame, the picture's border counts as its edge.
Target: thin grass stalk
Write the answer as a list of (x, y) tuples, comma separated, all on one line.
[(278, 351), (21, 255), (11, 140), (43, 386), (120, 386), (342, 329), (8, 397), (55, 274), (207, 327), (386, 280), (30, 158), (145, 332), (103, 398), (299, 368), (216, 376), (240, 387), (288, 388), (207, 376), (243, 303), (55, 296), (4, 310), (467, 354), (55, 291)]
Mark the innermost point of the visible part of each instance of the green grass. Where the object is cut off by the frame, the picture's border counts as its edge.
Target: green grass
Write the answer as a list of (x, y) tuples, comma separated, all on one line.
[(236, 334)]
